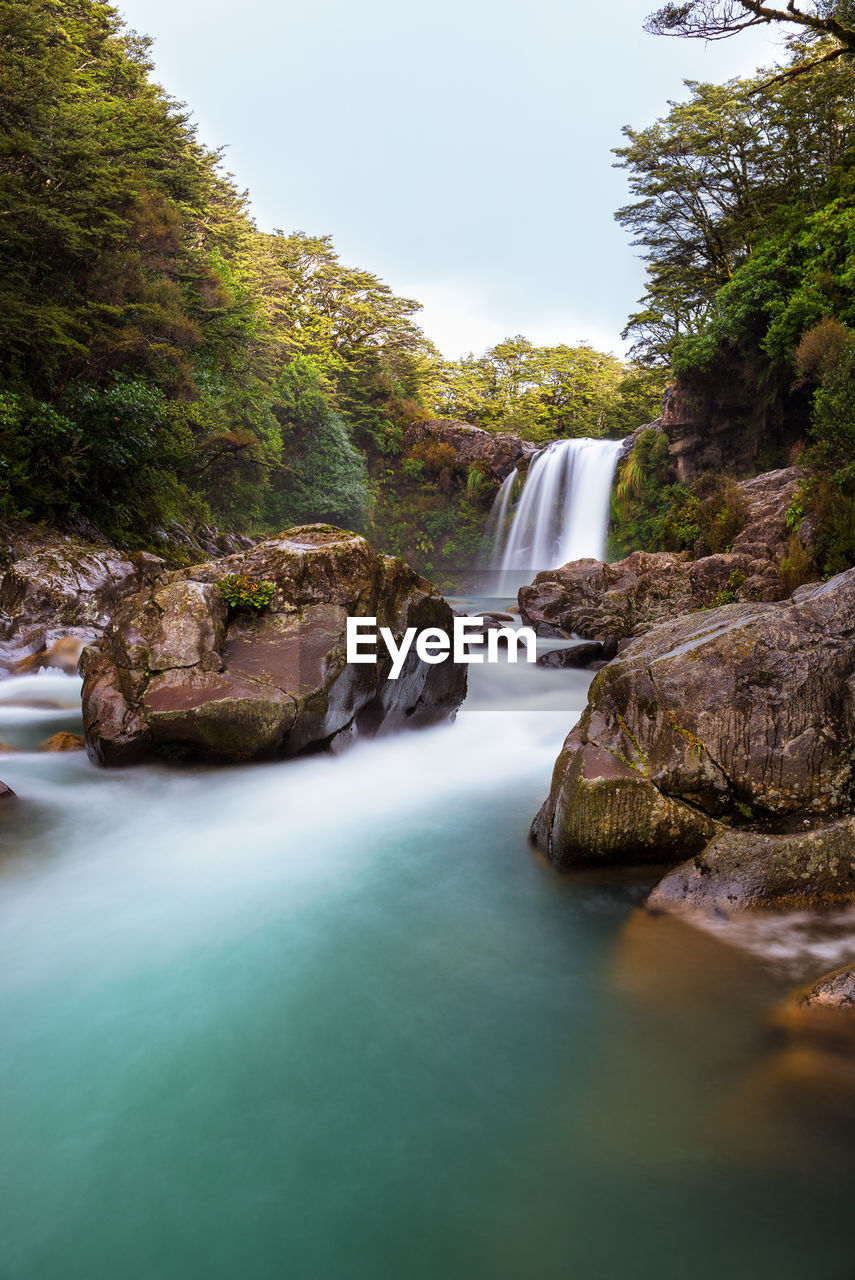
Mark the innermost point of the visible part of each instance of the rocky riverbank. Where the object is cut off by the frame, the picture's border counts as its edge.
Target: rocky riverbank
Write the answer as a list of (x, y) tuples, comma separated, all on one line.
[(600, 601), (726, 736)]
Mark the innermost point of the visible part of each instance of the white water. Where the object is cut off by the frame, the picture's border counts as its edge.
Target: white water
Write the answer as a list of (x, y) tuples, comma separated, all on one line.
[(562, 515)]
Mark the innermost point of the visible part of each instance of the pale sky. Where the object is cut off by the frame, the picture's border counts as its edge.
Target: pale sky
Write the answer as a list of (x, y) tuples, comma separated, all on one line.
[(461, 150)]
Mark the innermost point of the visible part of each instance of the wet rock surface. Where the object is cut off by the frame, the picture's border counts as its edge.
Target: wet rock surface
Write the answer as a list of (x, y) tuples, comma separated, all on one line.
[(748, 870), (178, 673), (744, 714), (63, 742), (57, 592), (833, 991), (577, 655)]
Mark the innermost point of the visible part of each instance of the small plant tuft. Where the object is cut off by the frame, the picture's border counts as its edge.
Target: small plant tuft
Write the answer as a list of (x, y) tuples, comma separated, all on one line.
[(240, 592)]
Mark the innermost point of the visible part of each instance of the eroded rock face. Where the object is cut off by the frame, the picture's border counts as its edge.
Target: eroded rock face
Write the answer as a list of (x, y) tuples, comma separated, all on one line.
[(177, 672), (595, 600), (57, 593), (743, 713), (714, 426)]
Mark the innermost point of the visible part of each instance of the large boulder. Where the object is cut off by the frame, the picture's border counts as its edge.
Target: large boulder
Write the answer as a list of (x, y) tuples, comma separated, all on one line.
[(595, 600), (59, 588), (743, 714), (179, 673)]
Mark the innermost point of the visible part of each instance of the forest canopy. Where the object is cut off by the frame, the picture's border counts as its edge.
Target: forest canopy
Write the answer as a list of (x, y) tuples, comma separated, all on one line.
[(164, 360)]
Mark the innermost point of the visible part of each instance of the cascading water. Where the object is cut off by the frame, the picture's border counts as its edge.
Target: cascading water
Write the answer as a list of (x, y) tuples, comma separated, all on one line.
[(563, 513)]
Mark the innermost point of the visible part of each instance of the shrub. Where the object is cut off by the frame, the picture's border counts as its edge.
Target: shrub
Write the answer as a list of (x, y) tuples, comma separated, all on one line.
[(721, 513), (822, 349), (797, 565), (437, 457), (477, 484)]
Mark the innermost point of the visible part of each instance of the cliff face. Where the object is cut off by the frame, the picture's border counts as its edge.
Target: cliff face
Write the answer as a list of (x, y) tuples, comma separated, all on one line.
[(717, 426), (494, 453)]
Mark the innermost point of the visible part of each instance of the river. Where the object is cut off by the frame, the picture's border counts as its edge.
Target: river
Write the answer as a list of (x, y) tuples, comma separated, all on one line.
[(334, 1019)]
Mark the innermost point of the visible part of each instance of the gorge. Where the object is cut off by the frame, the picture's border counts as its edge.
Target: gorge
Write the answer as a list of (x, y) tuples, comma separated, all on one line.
[(337, 940)]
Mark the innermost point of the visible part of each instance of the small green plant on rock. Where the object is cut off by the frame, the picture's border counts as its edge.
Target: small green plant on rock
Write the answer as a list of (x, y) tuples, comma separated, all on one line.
[(729, 593), (240, 592)]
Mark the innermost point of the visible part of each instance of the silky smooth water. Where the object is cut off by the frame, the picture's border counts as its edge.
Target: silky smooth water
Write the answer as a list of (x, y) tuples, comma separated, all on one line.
[(333, 1019), (562, 513)]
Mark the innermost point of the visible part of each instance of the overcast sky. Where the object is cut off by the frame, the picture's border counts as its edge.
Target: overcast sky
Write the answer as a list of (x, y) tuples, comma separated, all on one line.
[(459, 149)]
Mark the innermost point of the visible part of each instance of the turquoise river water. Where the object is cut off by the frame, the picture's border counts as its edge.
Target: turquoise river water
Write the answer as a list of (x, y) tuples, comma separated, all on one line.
[(333, 1019)]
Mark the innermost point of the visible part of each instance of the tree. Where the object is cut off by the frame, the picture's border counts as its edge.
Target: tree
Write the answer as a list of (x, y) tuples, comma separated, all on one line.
[(711, 180), (832, 20), (544, 392)]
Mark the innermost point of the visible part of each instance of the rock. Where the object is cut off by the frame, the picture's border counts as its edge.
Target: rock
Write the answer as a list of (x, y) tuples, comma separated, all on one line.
[(596, 600), (749, 870), (602, 810), (743, 713), (768, 497), (178, 673), (63, 742), (57, 594), (714, 426), (496, 452), (6, 750), (6, 793), (833, 991), (546, 631), (819, 1017), (63, 654), (581, 655)]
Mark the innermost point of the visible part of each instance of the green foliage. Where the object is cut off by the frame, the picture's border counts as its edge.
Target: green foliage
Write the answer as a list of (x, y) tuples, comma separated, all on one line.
[(721, 513), (718, 179), (240, 592), (826, 356), (797, 566), (160, 358), (643, 497), (477, 484), (542, 393), (322, 475)]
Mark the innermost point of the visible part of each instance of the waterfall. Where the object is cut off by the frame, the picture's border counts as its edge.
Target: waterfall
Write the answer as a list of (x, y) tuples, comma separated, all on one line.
[(562, 515)]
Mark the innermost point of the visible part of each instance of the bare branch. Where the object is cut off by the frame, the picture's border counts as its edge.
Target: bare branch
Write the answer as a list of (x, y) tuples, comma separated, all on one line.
[(721, 19)]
